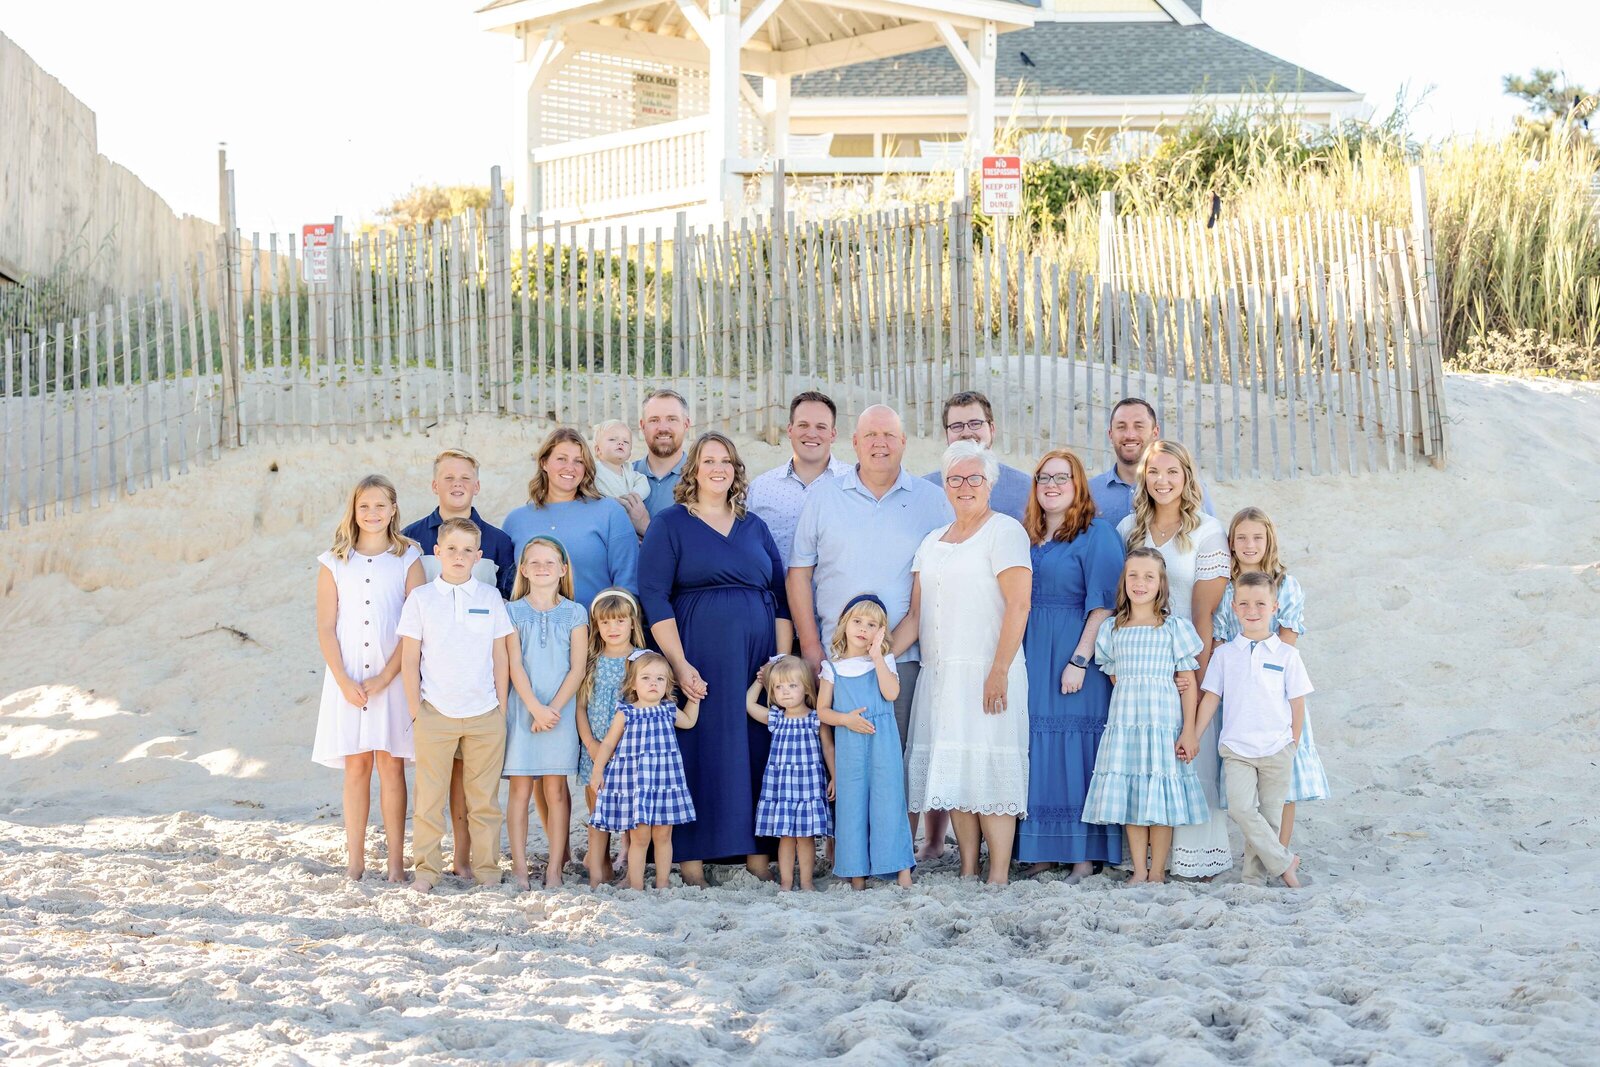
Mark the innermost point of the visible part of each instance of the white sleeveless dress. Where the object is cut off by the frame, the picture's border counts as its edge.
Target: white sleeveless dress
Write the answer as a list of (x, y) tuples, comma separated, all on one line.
[(372, 590), (1202, 849)]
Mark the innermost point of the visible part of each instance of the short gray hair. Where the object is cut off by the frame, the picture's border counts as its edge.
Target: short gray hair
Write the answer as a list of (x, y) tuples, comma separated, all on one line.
[(963, 450)]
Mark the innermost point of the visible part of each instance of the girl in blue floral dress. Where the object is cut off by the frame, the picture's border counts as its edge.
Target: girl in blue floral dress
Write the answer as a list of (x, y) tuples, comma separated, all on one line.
[(616, 631)]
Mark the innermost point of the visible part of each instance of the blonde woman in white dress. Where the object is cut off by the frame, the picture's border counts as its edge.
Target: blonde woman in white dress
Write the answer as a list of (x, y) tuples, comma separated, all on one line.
[(1167, 517), (970, 591)]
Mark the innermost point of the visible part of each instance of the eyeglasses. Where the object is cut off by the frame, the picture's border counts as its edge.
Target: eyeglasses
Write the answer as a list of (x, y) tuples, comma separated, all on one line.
[(955, 481), (1053, 479), (971, 424)]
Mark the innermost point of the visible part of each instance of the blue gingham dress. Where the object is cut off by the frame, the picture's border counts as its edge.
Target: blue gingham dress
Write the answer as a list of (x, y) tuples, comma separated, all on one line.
[(794, 791), (1138, 779), (644, 782), (602, 706), (1310, 780)]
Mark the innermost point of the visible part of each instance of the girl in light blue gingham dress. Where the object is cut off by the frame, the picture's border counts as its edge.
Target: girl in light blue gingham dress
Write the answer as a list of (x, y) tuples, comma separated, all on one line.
[(1253, 541), (1140, 778), (799, 778), (638, 772)]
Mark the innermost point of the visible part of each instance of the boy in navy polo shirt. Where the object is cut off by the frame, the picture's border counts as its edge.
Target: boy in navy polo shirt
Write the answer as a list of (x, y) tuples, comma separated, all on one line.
[(455, 483), (1264, 684)]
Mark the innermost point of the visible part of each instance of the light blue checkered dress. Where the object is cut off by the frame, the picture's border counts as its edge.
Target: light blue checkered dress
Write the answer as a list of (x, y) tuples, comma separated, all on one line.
[(794, 791), (1138, 778), (1310, 780), (644, 782)]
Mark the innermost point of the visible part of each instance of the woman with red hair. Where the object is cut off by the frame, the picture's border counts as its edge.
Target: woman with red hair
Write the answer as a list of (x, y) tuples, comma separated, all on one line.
[(1077, 562)]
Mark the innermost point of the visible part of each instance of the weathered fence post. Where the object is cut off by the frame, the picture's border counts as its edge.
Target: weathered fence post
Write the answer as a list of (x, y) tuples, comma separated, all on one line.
[(1428, 290), (229, 323)]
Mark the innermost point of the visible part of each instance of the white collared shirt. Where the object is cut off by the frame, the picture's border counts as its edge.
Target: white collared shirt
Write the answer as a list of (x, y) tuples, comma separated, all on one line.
[(854, 667), (458, 626), (1256, 680), (778, 495)]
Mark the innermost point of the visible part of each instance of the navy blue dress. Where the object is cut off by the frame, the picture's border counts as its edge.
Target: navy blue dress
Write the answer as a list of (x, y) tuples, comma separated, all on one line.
[(726, 594), (1070, 579)]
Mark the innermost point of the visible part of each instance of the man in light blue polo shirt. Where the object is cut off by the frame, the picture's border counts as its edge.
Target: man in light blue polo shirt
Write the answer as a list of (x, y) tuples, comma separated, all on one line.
[(1131, 429), (857, 534), (664, 421)]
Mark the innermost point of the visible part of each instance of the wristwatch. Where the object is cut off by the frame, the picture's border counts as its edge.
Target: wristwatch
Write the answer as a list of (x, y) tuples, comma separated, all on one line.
[(1080, 660)]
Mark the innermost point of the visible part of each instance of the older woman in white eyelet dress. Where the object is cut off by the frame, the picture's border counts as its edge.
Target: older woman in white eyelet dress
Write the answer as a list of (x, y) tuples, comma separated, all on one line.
[(1167, 517), (971, 586)]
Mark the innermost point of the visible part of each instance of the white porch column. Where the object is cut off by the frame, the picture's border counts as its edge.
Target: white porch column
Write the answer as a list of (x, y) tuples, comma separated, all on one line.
[(775, 103), (722, 138), (980, 92), (541, 56)]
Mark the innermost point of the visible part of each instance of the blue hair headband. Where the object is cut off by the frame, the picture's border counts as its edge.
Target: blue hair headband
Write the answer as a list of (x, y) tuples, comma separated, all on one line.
[(548, 539), (866, 598)]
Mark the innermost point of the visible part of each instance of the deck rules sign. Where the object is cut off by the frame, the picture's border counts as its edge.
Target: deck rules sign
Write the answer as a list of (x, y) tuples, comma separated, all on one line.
[(1000, 189)]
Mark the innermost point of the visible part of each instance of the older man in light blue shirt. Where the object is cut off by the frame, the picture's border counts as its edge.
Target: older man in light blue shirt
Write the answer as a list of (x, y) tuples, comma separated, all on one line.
[(778, 495), (858, 533)]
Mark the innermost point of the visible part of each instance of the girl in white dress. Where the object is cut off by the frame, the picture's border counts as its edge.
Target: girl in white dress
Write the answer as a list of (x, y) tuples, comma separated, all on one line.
[(970, 590), (363, 722), (1167, 517)]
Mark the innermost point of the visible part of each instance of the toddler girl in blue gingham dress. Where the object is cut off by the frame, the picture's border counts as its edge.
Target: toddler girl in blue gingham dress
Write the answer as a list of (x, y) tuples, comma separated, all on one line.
[(799, 778), (1253, 542), (638, 772)]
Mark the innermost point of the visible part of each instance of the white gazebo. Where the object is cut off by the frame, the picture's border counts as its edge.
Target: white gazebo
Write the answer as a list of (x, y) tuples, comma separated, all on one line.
[(633, 108)]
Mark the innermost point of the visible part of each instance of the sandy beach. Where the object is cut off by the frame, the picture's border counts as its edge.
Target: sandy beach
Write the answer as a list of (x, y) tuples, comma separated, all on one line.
[(171, 861)]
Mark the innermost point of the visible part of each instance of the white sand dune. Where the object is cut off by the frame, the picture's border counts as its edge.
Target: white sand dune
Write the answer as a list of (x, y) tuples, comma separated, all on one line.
[(171, 864)]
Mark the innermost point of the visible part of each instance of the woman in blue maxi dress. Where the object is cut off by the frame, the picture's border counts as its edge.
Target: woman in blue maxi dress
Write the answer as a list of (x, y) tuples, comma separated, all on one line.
[(1074, 588), (712, 588)]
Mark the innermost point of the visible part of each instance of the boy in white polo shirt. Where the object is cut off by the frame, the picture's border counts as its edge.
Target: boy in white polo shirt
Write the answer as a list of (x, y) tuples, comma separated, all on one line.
[(453, 660), (1265, 686)]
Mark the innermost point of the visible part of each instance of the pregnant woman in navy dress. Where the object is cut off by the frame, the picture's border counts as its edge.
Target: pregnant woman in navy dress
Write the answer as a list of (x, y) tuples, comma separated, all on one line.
[(712, 586), (1077, 562)]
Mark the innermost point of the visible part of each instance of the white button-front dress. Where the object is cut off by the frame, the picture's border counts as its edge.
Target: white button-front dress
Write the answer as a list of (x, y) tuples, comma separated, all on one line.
[(372, 590)]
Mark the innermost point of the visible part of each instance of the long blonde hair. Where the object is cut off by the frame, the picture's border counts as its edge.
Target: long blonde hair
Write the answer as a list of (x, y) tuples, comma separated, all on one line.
[(841, 640), (1190, 514), (539, 485), (346, 533), (1271, 564), (520, 585), (1162, 605), (687, 491), (608, 604)]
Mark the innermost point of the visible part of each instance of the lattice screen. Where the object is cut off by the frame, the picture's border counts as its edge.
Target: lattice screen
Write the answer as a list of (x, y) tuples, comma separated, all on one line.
[(594, 94)]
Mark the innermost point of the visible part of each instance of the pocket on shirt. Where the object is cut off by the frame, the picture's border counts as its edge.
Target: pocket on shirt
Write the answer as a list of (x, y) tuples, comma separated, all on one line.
[(479, 625)]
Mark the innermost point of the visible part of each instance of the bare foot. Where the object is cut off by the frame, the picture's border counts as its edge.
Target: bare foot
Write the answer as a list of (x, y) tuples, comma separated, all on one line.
[(903, 879), (422, 887), (1079, 872), (930, 853), (698, 881), (807, 886), (552, 877), (522, 880), (858, 884), (397, 871), (1139, 877), (782, 888), (355, 872), (762, 871), (1160, 879), (465, 874), (1037, 869), (1289, 877)]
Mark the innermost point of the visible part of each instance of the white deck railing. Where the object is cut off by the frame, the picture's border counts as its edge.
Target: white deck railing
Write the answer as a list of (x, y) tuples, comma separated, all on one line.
[(624, 173)]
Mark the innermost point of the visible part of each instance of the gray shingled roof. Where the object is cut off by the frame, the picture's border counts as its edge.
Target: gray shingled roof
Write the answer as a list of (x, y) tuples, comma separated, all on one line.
[(1083, 58)]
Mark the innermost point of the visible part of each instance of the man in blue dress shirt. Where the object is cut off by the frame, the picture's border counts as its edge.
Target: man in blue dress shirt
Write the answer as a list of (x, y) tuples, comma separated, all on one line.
[(664, 421), (968, 417), (1132, 427)]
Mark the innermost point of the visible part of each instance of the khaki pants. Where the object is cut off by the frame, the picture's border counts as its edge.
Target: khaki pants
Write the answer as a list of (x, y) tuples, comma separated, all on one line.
[(1256, 789), (482, 742)]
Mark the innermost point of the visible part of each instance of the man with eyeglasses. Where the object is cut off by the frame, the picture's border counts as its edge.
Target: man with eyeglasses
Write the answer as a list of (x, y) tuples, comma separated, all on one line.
[(1130, 430), (968, 417)]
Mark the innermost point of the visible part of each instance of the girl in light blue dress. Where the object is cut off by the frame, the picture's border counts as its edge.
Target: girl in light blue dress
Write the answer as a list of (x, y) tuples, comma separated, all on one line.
[(616, 631), (547, 656), (1253, 542), (1141, 779)]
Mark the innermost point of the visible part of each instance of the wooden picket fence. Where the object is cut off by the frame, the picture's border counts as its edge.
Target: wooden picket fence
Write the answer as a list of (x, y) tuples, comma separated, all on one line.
[(1327, 364)]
